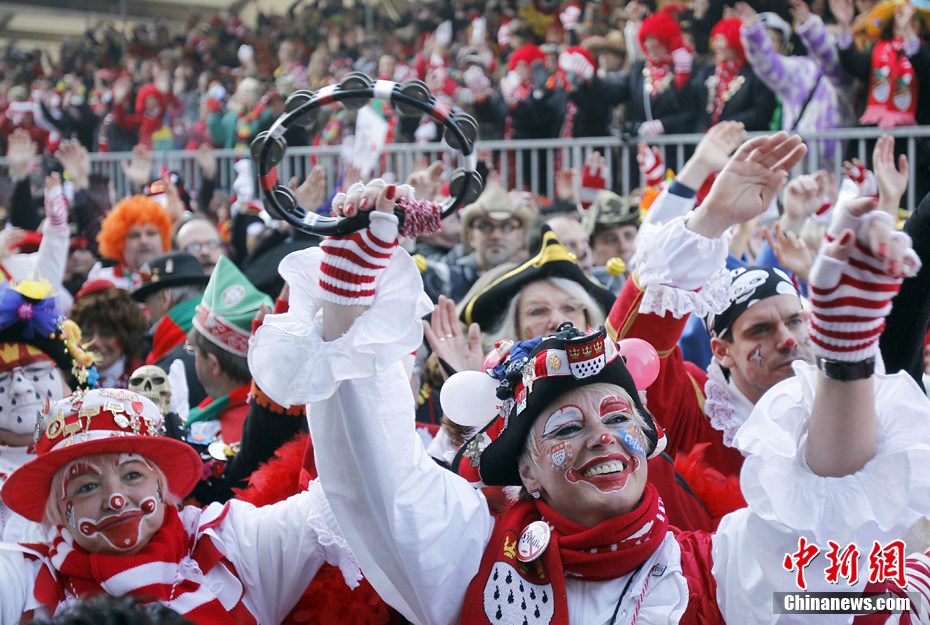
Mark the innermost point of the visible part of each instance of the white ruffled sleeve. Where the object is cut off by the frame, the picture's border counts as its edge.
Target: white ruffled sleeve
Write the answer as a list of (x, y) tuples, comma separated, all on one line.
[(787, 500), (417, 530), (293, 364), (681, 272)]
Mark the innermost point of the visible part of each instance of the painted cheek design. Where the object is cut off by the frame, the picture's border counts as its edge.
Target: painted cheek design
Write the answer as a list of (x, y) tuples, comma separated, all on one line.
[(755, 356), (632, 443), (560, 455), (69, 514)]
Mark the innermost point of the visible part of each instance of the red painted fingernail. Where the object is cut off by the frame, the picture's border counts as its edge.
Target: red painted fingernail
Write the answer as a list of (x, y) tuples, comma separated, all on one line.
[(363, 203), (391, 190), (845, 238), (823, 208)]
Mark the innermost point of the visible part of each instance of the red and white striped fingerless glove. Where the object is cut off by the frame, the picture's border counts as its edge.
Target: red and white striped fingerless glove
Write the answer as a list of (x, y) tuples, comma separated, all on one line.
[(352, 263), (651, 167), (850, 298), (56, 207), (865, 180), (593, 181)]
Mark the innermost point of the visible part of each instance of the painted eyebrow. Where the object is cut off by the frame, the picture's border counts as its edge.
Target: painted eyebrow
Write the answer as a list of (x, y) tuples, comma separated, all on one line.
[(564, 415)]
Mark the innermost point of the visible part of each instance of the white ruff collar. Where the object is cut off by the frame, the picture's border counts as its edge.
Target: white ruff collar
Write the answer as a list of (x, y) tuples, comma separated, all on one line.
[(724, 404)]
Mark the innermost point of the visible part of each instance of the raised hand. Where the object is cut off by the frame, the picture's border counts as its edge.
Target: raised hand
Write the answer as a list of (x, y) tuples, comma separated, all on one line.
[(20, 150), (9, 240), (427, 181), (56, 204), (712, 153), (352, 263), (857, 273), (746, 14), (748, 183), (76, 160), (800, 11), (904, 18), (892, 183), (843, 11), (651, 165), (804, 195), (565, 185), (139, 168), (206, 160), (856, 171), (446, 340), (312, 191), (791, 250)]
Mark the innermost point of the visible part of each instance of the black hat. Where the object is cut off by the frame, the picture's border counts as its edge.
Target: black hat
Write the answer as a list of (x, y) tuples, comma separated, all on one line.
[(169, 270), (565, 361), (553, 261)]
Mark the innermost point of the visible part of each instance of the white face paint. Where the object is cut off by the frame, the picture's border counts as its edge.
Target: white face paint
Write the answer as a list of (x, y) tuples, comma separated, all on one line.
[(561, 417), (112, 503), (24, 391)]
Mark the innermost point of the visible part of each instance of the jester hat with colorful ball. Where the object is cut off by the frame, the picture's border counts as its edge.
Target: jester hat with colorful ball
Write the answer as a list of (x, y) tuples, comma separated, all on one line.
[(536, 372), (100, 421), (32, 329)]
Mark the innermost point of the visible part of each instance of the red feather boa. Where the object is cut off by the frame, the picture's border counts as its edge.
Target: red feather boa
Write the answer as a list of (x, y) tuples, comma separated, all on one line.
[(327, 600)]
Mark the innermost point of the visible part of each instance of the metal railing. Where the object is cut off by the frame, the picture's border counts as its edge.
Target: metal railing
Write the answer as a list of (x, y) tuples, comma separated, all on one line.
[(522, 164)]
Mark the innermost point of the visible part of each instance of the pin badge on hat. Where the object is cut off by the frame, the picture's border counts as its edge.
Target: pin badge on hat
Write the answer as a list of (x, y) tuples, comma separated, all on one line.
[(533, 541)]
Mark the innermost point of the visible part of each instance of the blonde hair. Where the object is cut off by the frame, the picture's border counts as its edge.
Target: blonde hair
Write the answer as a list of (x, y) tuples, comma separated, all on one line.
[(53, 515), (509, 324)]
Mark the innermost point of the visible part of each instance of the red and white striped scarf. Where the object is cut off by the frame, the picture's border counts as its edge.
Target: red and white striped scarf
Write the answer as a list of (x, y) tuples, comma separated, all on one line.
[(161, 572)]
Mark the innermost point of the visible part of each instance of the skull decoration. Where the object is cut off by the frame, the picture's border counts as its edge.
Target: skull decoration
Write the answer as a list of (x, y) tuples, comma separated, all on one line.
[(152, 382)]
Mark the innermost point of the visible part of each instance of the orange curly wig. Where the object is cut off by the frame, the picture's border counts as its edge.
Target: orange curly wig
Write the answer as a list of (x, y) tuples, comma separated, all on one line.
[(132, 211)]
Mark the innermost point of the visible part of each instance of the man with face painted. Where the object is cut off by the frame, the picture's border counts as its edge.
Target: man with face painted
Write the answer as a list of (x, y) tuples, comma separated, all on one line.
[(105, 483), (755, 317), (34, 370)]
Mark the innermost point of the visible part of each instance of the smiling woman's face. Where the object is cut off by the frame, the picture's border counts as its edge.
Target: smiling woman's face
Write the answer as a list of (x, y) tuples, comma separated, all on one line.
[(111, 503), (587, 455)]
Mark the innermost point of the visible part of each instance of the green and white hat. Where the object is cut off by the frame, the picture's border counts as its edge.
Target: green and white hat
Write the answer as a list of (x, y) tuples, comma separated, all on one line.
[(230, 302)]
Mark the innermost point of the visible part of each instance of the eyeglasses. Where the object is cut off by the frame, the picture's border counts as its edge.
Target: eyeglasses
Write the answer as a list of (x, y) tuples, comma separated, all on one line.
[(190, 348), (486, 227), (194, 248)]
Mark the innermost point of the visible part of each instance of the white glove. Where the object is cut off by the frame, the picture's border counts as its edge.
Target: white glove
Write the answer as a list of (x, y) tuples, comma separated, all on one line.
[(570, 17), (651, 128), (576, 63)]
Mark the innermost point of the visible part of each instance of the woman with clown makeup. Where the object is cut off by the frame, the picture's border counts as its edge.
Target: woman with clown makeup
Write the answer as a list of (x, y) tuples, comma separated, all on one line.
[(41, 360), (105, 483), (836, 452)]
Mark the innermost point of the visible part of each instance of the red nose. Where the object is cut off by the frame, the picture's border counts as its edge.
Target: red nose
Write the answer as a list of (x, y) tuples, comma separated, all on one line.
[(605, 438)]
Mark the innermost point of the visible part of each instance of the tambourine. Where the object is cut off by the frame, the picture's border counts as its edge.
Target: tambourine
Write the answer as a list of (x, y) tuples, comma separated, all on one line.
[(411, 98)]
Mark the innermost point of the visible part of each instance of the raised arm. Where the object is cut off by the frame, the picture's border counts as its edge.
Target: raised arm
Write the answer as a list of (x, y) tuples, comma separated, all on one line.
[(791, 78), (853, 280), (417, 530)]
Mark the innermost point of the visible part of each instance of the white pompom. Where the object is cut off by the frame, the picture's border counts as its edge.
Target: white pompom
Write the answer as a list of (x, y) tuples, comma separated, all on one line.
[(468, 398)]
